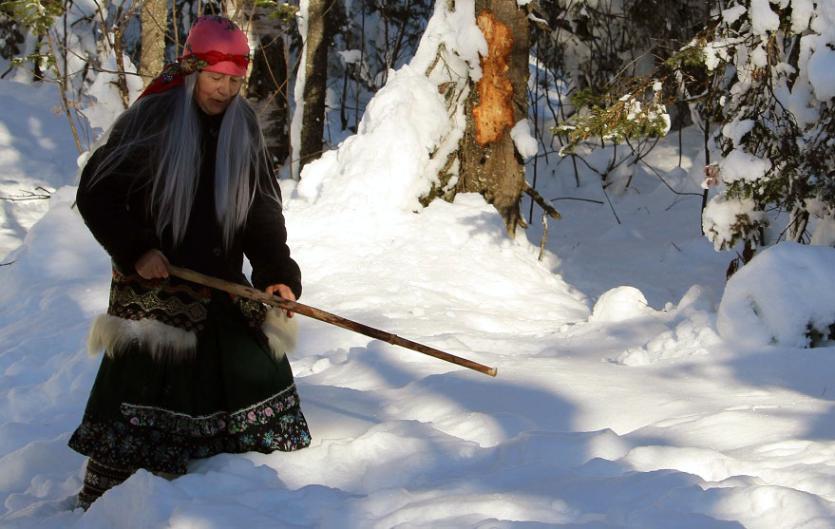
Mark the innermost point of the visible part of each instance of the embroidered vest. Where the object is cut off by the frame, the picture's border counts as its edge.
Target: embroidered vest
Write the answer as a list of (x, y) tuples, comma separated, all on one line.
[(162, 316)]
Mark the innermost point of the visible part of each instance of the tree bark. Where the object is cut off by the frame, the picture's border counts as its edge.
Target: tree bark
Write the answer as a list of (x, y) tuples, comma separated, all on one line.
[(489, 162), (267, 88), (319, 33), (154, 21), (121, 80)]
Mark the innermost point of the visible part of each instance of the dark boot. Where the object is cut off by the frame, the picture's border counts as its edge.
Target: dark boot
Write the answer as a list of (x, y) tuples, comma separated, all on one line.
[(98, 479)]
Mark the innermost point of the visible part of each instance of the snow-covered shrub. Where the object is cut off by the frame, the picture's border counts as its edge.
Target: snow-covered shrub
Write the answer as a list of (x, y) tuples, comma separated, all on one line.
[(725, 219), (776, 63), (783, 296)]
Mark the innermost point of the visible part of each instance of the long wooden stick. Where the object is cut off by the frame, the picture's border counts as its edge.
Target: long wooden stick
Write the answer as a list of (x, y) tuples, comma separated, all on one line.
[(327, 317)]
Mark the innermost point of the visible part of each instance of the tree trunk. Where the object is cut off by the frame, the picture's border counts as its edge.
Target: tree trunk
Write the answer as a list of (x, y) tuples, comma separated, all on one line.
[(118, 51), (267, 88), (319, 33), (154, 20), (489, 162)]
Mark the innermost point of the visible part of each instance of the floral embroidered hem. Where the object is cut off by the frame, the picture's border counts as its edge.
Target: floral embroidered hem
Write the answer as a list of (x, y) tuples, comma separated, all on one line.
[(164, 441), (217, 423)]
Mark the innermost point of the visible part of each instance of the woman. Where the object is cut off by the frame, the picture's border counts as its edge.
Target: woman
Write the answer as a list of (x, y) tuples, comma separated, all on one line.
[(188, 372)]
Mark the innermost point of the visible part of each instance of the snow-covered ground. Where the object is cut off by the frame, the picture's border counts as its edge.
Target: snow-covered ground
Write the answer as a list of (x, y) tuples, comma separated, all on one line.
[(617, 403), (37, 155)]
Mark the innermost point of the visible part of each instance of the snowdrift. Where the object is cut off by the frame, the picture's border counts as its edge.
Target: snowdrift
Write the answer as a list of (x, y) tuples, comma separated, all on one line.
[(782, 296)]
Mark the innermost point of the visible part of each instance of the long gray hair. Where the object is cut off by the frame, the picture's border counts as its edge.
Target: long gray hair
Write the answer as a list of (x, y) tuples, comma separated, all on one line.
[(164, 129)]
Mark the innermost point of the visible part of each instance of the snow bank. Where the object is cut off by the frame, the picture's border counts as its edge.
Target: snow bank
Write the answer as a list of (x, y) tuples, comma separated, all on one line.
[(36, 150), (382, 169), (678, 331), (443, 255), (406, 133), (56, 249), (777, 297)]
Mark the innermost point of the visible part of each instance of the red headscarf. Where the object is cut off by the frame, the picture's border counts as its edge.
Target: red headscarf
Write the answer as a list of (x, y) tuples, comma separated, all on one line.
[(214, 44)]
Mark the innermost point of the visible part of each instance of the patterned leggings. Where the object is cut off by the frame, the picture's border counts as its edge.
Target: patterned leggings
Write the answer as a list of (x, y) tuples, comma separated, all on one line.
[(98, 479)]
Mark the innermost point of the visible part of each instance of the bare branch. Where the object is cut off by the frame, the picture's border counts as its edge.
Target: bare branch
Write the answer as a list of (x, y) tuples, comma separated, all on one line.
[(548, 208)]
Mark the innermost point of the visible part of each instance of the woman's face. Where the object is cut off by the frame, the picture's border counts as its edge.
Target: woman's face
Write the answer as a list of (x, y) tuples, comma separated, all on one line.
[(214, 91)]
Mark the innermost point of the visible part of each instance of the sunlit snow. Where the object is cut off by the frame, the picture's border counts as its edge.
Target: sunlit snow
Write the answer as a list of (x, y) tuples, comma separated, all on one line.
[(621, 401)]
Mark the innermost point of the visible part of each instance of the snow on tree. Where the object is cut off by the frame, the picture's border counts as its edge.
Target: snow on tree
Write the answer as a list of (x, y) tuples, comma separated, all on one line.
[(490, 164), (777, 120), (592, 82), (476, 54)]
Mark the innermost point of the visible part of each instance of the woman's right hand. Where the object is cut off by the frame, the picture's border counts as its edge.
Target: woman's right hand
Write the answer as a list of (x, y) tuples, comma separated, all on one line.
[(152, 265)]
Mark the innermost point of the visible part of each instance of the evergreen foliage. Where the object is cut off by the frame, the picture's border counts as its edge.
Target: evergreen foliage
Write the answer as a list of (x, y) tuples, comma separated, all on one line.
[(776, 118), (633, 115)]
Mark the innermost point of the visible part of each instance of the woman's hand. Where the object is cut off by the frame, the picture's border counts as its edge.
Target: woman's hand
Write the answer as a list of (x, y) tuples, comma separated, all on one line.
[(282, 291), (152, 265)]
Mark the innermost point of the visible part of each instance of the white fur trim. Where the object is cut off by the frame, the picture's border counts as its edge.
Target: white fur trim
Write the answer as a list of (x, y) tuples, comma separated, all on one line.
[(164, 342), (282, 332)]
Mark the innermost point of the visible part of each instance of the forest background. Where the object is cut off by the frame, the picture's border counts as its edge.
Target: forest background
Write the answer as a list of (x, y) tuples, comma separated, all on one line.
[(752, 76)]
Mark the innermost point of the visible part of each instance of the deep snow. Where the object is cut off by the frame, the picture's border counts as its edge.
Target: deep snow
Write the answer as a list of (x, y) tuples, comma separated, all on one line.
[(617, 404)]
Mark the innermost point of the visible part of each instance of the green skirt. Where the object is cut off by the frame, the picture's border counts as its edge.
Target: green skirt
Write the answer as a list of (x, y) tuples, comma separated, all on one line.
[(234, 397)]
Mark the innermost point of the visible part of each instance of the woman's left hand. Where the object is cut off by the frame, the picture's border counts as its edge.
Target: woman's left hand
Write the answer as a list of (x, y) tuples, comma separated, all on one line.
[(282, 291)]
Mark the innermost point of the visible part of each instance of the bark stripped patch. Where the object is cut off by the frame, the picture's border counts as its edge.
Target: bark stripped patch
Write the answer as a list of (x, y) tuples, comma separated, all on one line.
[(494, 114)]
